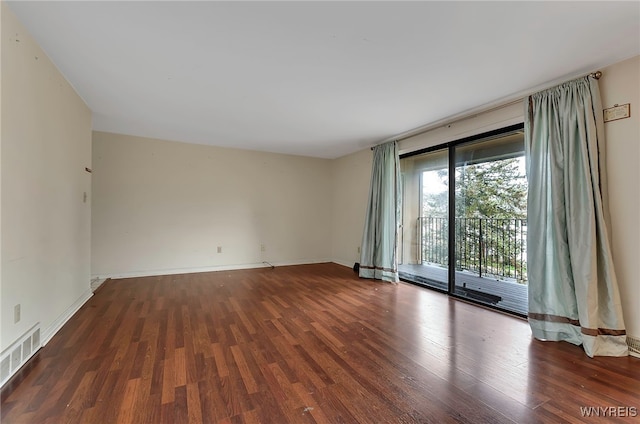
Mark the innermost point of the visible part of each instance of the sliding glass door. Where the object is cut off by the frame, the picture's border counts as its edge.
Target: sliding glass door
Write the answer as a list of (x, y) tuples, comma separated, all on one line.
[(464, 220)]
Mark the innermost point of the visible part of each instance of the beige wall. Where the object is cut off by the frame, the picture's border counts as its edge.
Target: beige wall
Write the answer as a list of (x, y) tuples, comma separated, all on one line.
[(620, 84), (350, 192), (46, 145), (162, 207)]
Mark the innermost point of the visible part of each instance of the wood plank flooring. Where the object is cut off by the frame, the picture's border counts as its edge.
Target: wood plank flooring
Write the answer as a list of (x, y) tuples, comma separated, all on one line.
[(306, 344)]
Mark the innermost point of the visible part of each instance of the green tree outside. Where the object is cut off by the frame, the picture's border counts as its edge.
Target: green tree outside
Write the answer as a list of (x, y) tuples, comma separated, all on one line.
[(491, 211)]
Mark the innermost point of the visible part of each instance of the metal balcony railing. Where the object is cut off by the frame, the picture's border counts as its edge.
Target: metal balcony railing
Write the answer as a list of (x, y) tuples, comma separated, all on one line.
[(490, 247)]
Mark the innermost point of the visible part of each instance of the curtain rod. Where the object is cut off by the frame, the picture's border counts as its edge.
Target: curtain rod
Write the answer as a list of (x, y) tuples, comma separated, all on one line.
[(469, 114)]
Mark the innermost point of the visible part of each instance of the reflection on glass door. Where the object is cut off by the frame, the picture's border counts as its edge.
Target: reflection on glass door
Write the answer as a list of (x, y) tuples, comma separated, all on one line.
[(483, 240)]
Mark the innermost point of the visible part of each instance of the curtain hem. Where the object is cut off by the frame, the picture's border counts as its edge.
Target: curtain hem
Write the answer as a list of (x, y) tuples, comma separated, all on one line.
[(379, 274), (602, 344)]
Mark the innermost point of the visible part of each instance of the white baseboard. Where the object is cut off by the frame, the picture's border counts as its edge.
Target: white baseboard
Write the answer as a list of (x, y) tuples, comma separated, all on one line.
[(343, 263), (300, 262), (156, 272), (96, 283), (55, 326)]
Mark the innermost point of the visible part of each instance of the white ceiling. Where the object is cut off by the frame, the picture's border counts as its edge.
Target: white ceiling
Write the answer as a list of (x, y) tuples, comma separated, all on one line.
[(318, 79)]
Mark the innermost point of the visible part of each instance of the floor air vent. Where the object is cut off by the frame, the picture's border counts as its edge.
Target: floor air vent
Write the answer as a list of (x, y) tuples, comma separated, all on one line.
[(16, 355), (634, 346)]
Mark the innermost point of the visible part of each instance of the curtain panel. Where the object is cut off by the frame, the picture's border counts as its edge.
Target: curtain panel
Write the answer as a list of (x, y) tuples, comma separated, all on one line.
[(379, 239), (573, 291)]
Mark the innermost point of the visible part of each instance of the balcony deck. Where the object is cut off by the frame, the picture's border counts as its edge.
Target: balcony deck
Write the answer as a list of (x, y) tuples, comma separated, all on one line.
[(503, 294)]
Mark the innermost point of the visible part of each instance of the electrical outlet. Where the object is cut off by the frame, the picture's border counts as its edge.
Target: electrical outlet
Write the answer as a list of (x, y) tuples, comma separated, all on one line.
[(263, 248), (16, 313), (219, 249)]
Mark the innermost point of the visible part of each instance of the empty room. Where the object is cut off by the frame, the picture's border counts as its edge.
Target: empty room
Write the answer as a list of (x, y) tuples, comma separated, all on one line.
[(319, 212)]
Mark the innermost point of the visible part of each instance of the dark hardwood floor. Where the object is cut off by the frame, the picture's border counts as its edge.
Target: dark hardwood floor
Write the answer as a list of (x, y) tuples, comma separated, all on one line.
[(306, 344)]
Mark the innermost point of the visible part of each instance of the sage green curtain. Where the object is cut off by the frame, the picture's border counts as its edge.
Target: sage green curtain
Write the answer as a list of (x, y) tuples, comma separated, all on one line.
[(573, 292), (378, 249)]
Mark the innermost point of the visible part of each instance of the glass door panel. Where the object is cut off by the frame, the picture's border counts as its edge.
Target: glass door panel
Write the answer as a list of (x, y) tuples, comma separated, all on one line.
[(490, 223), (424, 240)]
